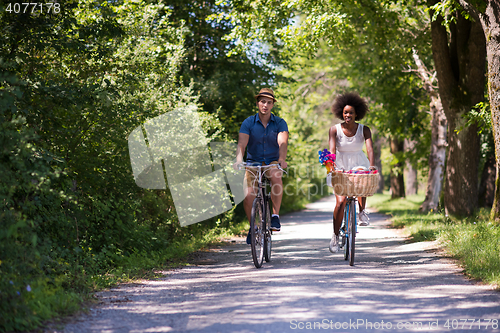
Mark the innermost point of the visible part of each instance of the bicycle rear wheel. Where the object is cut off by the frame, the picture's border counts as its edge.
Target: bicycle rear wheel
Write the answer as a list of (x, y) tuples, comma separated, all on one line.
[(345, 235), (267, 233), (352, 230), (257, 233)]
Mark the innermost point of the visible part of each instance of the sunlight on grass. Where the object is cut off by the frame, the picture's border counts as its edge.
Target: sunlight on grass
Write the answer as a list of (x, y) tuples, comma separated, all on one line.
[(477, 246), (474, 241)]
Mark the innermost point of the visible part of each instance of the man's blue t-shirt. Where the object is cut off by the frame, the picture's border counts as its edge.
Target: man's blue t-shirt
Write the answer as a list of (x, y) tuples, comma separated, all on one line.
[(263, 142)]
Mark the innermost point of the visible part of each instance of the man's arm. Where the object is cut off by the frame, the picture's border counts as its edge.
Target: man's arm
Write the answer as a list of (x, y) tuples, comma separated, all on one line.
[(283, 144), (240, 150)]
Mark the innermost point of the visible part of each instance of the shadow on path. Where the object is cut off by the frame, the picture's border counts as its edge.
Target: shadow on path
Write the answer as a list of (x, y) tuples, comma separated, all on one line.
[(304, 288)]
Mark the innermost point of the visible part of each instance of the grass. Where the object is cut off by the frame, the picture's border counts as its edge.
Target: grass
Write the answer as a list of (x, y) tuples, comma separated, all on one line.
[(473, 241)]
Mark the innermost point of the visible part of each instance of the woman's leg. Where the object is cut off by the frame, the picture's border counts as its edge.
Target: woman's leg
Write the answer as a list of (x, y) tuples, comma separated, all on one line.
[(363, 217), (338, 213), (362, 203)]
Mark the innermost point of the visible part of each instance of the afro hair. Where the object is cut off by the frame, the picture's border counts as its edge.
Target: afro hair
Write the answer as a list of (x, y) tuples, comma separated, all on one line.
[(352, 99)]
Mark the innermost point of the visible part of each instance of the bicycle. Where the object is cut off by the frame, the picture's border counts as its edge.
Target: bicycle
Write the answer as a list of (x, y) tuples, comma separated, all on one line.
[(348, 229), (352, 186), (260, 221)]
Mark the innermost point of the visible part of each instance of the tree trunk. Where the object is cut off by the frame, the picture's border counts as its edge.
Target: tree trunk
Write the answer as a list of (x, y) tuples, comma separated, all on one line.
[(461, 185), (490, 22), (377, 151), (487, 186), (411, 172), (437, 156), (460, 63), (397, 178), (438, 138), (411, 179)]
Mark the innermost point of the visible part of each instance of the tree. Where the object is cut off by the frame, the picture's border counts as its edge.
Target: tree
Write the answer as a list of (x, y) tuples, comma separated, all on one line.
[(438, 137), (459, 56), (487, 14)]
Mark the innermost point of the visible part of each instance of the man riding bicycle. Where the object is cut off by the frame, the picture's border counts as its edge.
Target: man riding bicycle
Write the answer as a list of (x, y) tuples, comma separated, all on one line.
[(265, 136)]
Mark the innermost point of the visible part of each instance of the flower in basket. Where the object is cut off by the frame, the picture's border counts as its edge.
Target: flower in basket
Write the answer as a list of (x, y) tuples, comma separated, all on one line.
[(327, 159)]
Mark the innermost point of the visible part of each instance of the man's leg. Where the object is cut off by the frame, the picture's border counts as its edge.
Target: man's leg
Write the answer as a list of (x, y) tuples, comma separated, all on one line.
[(250, 194), (248, 202), (276, 195)]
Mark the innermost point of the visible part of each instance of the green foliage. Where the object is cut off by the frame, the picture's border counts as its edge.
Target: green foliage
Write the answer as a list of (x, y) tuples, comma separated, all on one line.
[(448, 9), (73, 86), (480, 115), (226, 85), (31, 182), (305, 100)]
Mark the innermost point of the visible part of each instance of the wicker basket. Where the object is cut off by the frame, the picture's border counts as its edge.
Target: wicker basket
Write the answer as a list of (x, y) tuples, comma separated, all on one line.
[(359, 185)]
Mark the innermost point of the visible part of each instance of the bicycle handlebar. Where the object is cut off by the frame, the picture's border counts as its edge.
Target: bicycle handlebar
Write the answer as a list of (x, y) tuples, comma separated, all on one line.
[(245, 164)]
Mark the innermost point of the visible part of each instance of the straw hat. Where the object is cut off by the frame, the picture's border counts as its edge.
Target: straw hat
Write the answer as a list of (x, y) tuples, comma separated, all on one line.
[(266, 92)]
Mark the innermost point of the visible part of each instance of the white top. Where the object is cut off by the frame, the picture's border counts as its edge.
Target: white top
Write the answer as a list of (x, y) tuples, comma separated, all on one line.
[(349, 152)]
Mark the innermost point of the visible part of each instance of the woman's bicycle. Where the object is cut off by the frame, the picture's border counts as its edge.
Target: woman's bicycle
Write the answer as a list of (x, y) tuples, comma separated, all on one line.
[(260, 221), (348, 229), (351, 186)]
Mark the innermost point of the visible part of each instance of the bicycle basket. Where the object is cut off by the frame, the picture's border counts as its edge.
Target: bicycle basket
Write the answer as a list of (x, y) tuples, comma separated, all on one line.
[(359, 185)]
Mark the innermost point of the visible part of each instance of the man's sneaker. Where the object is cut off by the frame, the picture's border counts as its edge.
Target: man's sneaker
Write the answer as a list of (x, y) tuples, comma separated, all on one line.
[(334, 244), (363, 218), (275, 223), (249, 238)]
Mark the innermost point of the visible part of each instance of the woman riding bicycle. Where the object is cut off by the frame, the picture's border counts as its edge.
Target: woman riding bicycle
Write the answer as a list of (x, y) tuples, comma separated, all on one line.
[(346, 142)]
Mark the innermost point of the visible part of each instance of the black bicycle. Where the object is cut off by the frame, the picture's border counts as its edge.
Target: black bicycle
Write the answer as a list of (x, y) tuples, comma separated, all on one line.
[(260, 220), (348, 230)]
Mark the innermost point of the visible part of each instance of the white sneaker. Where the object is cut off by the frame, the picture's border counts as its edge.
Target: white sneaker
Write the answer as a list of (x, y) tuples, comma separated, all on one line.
[(363, 218), (334, 244)]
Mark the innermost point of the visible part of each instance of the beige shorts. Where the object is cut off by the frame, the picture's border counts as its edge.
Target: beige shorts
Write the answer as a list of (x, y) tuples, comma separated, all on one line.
[(250, 176)]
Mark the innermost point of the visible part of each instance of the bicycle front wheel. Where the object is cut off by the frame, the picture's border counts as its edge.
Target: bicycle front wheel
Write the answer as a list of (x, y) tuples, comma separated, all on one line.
[(257, 233), (352, 230), (267, 234)]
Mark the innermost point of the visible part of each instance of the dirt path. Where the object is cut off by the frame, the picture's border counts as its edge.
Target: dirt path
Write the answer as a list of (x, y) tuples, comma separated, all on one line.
[(394, 286)]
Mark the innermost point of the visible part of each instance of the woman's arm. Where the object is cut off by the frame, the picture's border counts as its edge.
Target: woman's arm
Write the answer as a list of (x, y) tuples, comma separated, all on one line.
[(369, 145), (332, 135), (332, 142)]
